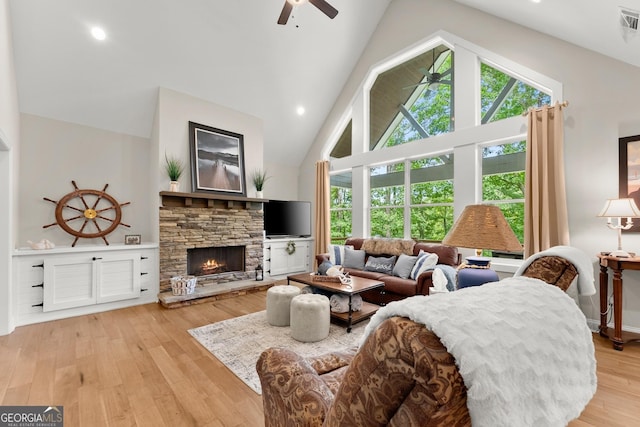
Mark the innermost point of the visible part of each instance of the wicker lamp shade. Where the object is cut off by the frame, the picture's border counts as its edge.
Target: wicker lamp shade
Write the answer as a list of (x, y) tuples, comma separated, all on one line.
[(482, 227)]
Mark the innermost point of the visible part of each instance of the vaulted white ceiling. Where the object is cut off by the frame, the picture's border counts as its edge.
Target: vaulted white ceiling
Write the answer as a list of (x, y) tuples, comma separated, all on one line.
[(592, 24), (232, 53)]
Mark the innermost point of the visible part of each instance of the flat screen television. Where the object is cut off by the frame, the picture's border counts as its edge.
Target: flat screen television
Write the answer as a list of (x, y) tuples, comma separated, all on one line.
[(287, 219)]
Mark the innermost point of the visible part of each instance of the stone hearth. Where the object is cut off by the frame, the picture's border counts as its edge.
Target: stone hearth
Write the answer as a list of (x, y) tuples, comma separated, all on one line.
[(202, 220)]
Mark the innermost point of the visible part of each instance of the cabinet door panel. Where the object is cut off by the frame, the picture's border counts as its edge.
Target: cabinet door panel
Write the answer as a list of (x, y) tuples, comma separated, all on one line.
[(68, 283), (298, 261), (118, 277), (279, 259)]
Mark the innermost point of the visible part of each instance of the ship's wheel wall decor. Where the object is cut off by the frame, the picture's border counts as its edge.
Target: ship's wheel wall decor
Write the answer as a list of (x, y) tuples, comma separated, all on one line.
[(88, 214)]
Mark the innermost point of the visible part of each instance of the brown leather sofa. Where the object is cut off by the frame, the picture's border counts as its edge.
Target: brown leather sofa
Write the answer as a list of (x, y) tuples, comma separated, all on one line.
[(402, 375), (397, 288)]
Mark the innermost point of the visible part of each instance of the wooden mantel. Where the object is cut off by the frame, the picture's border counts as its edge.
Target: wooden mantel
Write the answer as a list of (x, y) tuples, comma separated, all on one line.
[(209, 200)]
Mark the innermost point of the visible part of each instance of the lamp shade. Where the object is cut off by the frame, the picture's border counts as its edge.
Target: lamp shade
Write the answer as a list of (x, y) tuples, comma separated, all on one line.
[(620, 208), (482, 227)]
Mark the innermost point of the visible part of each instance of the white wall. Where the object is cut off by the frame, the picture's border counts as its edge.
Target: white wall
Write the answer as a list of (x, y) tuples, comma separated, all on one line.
[(54, 153), (603, 107), (283, 182), (176, 110), (9, 149)]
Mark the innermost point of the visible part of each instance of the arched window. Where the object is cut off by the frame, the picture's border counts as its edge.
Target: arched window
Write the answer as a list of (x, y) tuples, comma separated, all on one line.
[(435, 128)]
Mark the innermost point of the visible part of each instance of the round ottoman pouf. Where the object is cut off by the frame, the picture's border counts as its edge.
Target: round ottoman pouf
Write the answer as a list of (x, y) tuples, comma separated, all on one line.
[(310, 317), (278, 304)]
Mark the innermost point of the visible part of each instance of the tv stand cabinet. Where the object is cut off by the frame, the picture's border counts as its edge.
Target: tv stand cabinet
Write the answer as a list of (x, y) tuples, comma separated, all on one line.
[(278, 261)]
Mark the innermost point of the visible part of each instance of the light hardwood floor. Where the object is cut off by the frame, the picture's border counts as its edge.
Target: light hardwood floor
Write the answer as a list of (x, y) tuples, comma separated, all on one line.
[(139, 366)]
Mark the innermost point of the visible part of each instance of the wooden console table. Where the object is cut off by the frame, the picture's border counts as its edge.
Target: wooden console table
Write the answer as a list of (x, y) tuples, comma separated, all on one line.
[(617, 265)]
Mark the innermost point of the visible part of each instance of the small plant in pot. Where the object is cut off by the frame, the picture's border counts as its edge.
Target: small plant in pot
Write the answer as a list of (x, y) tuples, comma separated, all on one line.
[(259, 177), (174, 168)]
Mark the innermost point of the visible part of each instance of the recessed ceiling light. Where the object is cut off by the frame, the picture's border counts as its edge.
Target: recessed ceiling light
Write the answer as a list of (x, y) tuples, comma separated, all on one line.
[(536, 1), (300, 110), (98, 33)]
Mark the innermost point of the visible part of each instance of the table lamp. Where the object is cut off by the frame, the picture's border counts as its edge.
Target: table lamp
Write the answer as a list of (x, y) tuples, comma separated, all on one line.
[(620, 208), (481, 227)]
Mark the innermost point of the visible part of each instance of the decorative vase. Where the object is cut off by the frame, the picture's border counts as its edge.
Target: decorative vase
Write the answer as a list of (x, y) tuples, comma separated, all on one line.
[(259, 195), (174, 186)]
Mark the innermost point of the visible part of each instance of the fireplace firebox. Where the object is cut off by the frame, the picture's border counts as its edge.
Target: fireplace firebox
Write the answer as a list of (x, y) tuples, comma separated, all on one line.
[(215, 260)]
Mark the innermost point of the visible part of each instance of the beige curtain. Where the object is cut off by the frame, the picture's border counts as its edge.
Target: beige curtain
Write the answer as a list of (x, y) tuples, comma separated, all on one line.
[(323, 219), (545, 209)]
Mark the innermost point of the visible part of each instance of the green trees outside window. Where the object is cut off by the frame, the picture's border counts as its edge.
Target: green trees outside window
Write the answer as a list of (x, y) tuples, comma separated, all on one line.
[(414, 197)]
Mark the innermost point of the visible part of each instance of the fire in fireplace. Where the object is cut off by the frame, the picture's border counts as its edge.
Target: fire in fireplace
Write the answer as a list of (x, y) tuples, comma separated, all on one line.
[(215, 260)]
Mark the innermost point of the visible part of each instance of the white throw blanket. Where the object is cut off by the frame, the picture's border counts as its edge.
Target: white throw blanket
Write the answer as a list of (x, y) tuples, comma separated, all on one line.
[(521, 345), (582, 262)]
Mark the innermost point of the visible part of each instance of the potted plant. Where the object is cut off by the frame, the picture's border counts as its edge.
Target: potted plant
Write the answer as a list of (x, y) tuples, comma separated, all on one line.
[(174, 168), (259, 177)]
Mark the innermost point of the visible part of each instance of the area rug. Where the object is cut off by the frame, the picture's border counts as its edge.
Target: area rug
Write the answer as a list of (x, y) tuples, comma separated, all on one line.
[(238, 342)]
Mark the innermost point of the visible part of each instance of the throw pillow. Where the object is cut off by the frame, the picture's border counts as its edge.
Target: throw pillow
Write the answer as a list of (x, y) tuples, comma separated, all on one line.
[(380, 264), (404, 265), (322, 268), (353, 258), (425, 261), (336, 253)]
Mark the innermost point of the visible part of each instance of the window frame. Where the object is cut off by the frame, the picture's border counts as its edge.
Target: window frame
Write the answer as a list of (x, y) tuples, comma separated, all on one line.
[(464, 139)]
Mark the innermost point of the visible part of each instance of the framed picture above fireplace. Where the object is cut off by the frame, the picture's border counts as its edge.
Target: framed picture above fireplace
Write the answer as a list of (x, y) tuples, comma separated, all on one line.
[(217, 160)]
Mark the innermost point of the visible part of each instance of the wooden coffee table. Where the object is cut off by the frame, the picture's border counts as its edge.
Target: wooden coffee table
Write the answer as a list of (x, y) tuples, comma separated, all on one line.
[(358, 285)]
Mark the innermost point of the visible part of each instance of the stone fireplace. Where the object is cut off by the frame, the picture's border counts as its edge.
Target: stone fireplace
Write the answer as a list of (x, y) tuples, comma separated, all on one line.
[(215, 230)]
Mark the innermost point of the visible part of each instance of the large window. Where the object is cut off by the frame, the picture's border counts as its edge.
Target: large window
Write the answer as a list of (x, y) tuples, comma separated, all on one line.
[(431, 204), (418, 205), (413, 100), (503, 96), (341, 215), (503, 168), (387, 200), (411, 129)]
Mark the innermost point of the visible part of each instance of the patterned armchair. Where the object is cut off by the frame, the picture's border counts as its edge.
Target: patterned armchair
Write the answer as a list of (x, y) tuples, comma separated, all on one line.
[(402, 375)]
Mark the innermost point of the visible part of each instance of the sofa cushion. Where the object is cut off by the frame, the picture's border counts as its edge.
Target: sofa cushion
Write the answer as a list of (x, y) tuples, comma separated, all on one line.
[(397, 285), (356, 242), (446, 254), (353, 258), (380, 264), (424, 262), (404, 265), (336, 253), (373, 275), (388, 246)]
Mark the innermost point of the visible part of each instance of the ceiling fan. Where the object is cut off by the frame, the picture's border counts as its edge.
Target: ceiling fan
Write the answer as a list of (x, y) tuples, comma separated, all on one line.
[(324, 7), (432, 80)]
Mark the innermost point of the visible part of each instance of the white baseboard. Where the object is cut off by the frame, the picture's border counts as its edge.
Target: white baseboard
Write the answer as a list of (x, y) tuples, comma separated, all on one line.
[(594, 325)]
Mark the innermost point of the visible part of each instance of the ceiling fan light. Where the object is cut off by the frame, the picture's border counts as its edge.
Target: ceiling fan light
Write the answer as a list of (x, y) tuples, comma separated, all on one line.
[(296, 2)]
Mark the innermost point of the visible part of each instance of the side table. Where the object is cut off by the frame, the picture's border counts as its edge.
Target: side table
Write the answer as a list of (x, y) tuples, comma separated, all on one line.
[(617, 265)]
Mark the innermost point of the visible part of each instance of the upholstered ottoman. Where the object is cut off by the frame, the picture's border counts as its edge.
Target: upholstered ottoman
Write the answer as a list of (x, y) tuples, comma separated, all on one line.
[(310, 317), (278, 304)]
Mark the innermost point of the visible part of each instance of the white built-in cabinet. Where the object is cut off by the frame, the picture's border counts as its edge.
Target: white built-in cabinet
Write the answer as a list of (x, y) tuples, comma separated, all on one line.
[(63, 282), (278, 261)]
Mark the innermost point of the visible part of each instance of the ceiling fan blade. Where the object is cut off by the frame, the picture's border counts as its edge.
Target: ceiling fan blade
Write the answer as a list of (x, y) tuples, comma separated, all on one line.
[(414, 86), (325, 7), (286, 12), (424, 71), (445, 73)]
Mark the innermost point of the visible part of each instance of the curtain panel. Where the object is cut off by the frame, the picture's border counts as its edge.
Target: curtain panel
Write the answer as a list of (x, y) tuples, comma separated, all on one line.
[(322, 212), (546, 219)]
